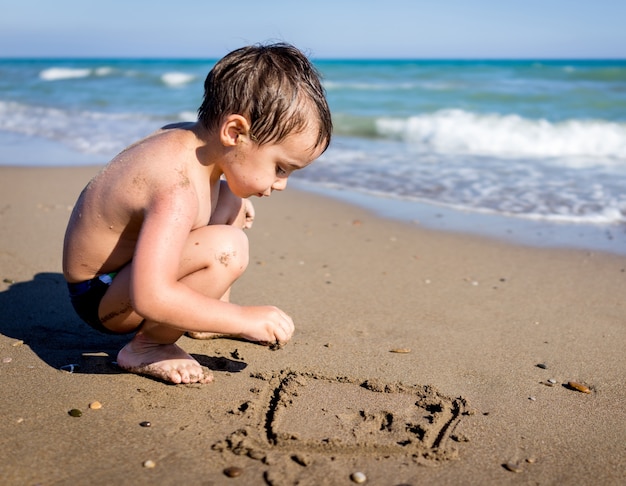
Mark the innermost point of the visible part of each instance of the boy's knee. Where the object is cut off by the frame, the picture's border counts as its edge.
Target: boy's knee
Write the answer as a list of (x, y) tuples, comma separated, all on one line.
[(232, 250)]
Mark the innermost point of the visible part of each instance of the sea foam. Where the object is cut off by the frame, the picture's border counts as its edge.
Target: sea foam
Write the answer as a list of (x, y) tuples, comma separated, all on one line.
[(58, 73), (461, 132), (175, 79)]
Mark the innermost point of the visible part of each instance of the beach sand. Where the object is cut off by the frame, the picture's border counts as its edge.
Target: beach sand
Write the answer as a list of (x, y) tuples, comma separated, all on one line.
[(463, 395)]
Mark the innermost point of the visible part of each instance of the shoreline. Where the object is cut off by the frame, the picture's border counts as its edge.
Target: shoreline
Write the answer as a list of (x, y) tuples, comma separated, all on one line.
[(415, 359), (514, 230), (604, 238)]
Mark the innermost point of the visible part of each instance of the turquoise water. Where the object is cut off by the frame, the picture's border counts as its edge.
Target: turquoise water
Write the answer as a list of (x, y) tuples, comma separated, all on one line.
[(538, 140)]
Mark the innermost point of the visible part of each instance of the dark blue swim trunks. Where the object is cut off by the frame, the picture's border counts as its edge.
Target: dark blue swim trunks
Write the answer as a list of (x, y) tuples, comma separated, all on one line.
[(86, 297)]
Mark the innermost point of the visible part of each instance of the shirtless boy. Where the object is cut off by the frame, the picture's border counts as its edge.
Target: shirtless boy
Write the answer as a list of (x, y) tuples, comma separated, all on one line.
[(156, 239)]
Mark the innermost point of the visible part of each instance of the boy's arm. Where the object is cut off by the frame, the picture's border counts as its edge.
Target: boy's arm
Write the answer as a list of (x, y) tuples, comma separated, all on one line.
[(232, 209), (157, 295)]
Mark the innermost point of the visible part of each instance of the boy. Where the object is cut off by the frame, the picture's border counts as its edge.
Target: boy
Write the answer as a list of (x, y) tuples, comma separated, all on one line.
[(156, 239)]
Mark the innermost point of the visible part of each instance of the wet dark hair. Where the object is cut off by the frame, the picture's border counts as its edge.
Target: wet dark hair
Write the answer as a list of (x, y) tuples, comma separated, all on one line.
[(275, 87)]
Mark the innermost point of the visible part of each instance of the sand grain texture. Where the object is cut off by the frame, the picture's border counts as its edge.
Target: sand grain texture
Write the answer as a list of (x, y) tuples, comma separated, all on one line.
[(478, 317)]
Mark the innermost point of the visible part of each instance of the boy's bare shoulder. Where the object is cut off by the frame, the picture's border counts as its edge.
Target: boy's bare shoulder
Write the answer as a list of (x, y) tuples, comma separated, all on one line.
[(172, 140), (152, 167)]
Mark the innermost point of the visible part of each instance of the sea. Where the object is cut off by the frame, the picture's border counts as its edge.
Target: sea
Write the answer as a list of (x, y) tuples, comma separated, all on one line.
[(530, 151)]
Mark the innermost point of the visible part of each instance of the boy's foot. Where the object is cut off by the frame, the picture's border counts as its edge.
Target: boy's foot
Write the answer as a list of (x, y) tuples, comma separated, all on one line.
[(205, 335), (167, 362)]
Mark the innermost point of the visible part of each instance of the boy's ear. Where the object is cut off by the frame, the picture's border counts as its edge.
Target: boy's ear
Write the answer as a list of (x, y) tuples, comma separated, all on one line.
[(234, 130)]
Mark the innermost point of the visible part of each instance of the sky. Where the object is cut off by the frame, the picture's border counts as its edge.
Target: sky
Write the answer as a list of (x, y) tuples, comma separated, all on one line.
[(417, 29)]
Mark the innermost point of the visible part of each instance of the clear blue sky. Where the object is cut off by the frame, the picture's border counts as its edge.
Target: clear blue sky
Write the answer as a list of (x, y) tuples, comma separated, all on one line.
[(323, 28)]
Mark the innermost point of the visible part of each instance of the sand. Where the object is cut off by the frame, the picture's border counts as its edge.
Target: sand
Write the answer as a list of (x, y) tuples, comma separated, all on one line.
[(415, 360)]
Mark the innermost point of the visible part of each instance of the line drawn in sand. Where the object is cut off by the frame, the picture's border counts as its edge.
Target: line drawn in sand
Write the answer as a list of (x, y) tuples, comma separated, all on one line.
[(311, 414)]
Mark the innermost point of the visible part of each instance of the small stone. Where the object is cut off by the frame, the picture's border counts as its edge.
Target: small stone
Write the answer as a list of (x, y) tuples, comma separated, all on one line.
[(75, 412), (578, 387), (400, 350), (233, 472), (95, 405), (543, 366), (532, 398), (531, 460), (7, 360), (256, 454), (17, 343), (552, 381), (149, 464), (358, 477), (509, 466), (276, 346), (302, 459), (145, 424)]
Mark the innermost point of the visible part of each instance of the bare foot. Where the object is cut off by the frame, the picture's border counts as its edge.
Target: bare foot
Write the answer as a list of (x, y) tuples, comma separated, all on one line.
[(167, 362), (206, 335)]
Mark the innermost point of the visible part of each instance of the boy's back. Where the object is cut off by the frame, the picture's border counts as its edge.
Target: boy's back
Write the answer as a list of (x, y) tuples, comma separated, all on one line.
[(107, 217), (155, 240)]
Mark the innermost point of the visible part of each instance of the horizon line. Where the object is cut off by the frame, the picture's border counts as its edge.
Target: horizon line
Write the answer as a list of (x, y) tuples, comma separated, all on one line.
[(316, 58)]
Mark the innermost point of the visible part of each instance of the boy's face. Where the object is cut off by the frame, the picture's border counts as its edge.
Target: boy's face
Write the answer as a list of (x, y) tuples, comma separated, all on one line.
[(257, 170)]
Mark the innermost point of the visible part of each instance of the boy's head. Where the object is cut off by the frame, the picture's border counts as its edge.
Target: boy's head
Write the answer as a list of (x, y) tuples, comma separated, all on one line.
[(274, 87)]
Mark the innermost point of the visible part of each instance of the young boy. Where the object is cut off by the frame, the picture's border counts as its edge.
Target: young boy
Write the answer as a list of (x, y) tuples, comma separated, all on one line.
[(156, 239)]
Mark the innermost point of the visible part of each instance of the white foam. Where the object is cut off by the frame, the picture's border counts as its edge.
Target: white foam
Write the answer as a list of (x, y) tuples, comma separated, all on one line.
[(176, 79), (58, 73), (85, 131), (104, 71), (462, 132)]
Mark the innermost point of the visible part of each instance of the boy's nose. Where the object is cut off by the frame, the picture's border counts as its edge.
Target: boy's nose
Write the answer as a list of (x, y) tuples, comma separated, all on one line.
[(279, 184)]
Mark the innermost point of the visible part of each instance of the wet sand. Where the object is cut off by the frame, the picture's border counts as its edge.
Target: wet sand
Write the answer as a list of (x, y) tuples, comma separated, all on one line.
[(415, 359)]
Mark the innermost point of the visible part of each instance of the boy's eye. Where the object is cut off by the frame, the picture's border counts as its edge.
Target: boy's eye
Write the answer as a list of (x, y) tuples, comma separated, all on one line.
[(280, 170)]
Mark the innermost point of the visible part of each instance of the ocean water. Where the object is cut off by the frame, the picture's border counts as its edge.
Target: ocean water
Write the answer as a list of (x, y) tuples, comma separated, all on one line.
[(527, 141)]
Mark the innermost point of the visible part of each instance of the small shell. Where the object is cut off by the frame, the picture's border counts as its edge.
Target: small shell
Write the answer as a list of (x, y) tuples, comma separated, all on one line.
[(95, 405), (358, 477), (400, 350), (75, 412), (233, 472), (509, 466), (578, 387), (149, 464)]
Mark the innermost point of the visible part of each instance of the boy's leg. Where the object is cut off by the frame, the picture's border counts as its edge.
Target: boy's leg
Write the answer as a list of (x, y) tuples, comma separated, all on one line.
[(240, 213), (153, 351)]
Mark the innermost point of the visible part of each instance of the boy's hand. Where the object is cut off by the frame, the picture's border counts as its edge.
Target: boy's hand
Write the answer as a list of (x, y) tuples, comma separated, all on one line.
[(248, 210), (269, 325)]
